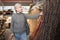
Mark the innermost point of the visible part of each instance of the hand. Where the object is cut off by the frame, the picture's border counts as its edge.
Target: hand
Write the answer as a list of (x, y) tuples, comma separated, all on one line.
[(41, 13)]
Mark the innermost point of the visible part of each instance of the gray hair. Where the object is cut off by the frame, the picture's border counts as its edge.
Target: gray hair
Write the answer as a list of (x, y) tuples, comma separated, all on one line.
[(17, 5)]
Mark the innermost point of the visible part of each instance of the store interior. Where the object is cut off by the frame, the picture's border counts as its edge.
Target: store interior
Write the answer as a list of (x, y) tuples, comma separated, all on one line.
[(7, 10), (43, 28)]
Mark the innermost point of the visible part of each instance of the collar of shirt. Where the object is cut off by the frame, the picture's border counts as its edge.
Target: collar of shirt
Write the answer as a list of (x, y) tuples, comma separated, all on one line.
[(19, 12)]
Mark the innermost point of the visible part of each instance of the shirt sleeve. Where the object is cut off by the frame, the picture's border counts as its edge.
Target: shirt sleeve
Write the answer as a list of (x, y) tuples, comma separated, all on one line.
[(34, 16), (12, 24)]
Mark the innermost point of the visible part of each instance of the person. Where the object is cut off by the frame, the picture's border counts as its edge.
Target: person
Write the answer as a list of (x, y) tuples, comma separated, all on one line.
[(18, 22)]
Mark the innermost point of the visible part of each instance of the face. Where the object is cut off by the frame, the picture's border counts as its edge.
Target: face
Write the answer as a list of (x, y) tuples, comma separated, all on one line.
[(19, 9)]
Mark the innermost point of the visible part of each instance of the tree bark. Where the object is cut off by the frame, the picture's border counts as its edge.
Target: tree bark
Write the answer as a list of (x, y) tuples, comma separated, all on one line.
[(51, 21)]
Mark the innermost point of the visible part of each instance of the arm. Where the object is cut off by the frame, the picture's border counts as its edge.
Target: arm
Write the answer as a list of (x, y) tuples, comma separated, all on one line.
[(12, 24), (35, 16)]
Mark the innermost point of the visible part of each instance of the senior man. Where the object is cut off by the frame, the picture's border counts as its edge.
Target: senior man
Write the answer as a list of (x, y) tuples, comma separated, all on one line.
[(18, 23)]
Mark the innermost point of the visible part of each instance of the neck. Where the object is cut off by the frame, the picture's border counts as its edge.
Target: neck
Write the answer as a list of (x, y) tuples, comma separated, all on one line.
[(18, 12)]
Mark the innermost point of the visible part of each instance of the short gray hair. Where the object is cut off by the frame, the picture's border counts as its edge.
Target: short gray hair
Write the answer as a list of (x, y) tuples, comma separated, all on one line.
[(17, 5)]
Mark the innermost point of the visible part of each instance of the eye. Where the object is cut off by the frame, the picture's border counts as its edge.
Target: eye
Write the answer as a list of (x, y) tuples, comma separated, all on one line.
[(20, 7)]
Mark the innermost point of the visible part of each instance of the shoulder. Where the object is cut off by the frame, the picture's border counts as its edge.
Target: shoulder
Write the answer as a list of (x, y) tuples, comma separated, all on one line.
[(23, 14), (13, 14)]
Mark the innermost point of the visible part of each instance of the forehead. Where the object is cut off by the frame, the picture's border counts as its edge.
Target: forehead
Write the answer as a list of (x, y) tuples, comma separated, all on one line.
[(18, 5)]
